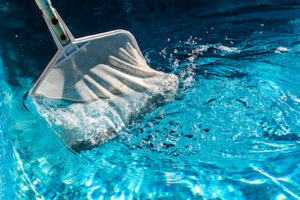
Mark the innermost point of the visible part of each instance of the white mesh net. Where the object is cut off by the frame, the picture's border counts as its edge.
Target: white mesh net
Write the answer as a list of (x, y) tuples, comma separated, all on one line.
[(96, 86)]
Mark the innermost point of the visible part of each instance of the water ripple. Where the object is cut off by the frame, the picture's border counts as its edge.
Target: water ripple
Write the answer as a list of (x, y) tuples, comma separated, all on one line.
[(232, 131)]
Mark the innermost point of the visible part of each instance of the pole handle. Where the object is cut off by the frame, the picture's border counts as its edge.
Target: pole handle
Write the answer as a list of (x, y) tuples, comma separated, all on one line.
[(53, 21)]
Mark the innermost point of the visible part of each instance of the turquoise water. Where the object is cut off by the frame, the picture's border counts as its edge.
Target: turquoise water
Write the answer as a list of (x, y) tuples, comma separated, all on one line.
[(232, 132)]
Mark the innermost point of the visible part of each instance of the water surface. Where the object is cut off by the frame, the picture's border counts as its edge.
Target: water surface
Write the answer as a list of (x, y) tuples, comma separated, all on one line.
[(232, 131)]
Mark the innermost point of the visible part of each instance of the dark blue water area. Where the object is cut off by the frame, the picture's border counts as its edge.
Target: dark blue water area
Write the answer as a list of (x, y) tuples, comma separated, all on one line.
[(231, 132)]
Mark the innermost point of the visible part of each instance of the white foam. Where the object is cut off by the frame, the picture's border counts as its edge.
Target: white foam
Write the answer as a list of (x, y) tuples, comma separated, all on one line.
[(281, 50), (99, 121), (228, 49)]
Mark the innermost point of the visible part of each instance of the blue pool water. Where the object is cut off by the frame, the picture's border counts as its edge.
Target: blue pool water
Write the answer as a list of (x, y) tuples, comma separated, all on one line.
[(232, 131)]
